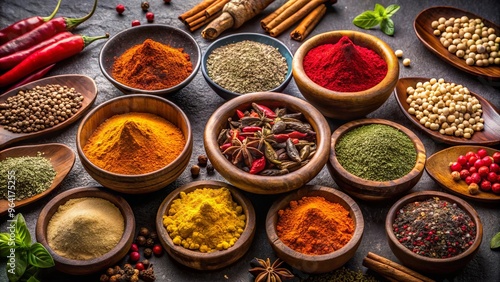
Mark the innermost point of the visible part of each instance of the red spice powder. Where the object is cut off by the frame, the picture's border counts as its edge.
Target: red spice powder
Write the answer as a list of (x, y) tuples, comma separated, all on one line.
[(344, 66)]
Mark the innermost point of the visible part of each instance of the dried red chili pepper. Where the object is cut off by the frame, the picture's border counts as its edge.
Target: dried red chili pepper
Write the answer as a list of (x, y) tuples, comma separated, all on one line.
[(280, 137), (35, 76), (224, 146), (258, 165), (296, 134), (268, 112), (240, 114), (251, 128)]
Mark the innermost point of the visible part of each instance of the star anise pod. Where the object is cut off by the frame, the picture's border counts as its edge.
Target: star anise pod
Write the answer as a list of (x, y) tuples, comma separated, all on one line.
[(264, 271)]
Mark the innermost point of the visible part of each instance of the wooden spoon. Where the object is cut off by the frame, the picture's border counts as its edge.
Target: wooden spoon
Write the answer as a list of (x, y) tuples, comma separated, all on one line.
[(437, 166), (61, 157), (83, 84), (490, 135), (425, 33)]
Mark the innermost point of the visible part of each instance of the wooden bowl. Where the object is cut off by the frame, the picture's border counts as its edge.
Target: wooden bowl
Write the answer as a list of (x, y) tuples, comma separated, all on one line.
[(375, 190), (84, 267), (139, 183), (213, 260), (346, 105), (489, 136), (426, 264), (60, 156), (315, 263), (267, 184), (82, 83), (166, 34)]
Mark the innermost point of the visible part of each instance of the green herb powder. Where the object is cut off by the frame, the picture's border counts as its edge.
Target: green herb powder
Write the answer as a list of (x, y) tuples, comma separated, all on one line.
[(376, 152), (247, 66)]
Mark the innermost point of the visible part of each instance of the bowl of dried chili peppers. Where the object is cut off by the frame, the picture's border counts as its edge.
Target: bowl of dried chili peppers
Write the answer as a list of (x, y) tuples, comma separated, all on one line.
[(267, 142)]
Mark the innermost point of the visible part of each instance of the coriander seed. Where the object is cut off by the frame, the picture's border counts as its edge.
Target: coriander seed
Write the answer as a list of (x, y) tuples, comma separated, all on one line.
[(399, 53), (406, 62)]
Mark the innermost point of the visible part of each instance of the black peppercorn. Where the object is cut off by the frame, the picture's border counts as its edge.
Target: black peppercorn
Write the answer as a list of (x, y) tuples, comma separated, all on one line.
[(144, 232), (148, 252), (141, 240), (195, 170), (145, 262), (150, 243), (202, 160), (153, 235), (104, 278), (210, 169), (145, 5)]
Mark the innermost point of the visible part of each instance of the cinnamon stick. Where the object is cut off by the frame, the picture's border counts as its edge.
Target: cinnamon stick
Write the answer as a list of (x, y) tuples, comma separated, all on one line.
[(204, 22), (265, 21), (202, 6), (389, 271), (301, 13), (287, 13), (215, 8), (308, 23), (398, 266), (194, 17)]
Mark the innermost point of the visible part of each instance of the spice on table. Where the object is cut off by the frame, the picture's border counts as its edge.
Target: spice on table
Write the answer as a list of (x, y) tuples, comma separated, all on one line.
[(307, 25), (85, 228), (205, 219), (392, 270), (141, 240), (434, 228), (399, 53), (247, 66), (195, 171), (342, 274), (210, 169), (344, 66), (202, 160), (144, 5), (406, 62), (134, 143), (152, 66), (315, 226), (31, 175), (264, 271)]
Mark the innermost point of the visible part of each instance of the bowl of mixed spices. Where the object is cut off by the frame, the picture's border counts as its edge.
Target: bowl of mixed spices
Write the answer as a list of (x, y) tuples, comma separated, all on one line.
[(152, 59), (206, 224), (86, 229), (375, 159), (245, 63), (267, 143), (315, 229), (433, 232), (135, 143), (345, 74)]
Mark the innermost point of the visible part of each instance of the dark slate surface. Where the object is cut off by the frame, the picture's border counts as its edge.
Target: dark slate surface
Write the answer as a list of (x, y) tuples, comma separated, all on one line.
[(199, 101)]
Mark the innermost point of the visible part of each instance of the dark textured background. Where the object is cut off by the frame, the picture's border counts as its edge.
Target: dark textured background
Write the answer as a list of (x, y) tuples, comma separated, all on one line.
[(198, 101)]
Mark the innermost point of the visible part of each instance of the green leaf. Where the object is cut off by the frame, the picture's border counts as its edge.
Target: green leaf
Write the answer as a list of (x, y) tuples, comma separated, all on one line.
[(22, 232), (30, 274), (5, 244), (380, 10), (387, 26), (495, 241), (367, 19), (17, 266), (39, 256), (391, 10), (32, 279)]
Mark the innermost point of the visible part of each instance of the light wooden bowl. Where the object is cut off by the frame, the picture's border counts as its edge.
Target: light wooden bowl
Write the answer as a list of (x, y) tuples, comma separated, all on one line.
[(315, 263), (426, 264), (140, 183), (213, 260), (346, 105), (84, 267), (375, 190), (267, 184)]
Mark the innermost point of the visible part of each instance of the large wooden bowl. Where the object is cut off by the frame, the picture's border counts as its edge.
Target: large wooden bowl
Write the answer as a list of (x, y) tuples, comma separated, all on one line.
[(315, 263), (346, 105), (213, 260), (139, 183), (267, 184), (375, 190), (426, 264), (84, 267)]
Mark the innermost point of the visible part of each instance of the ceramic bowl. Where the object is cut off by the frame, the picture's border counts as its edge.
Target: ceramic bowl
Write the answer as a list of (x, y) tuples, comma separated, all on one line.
[(84, 267), (139, 183), (315, 263), (375, 190), (426, 264), (216, 259), (267, 184), (256, 37), (346, 105), (122, 41)]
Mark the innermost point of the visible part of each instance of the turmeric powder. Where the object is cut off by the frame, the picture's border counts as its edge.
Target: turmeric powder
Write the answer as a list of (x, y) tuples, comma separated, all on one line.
[(205, 219), (134, 143)]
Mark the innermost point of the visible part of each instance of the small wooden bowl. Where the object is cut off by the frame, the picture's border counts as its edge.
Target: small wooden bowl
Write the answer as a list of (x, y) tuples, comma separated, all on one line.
[(140, 183), (346, 105), (315, 263), (213, 260), (84, 267), (375, 190), (267, 184), (426, 264)]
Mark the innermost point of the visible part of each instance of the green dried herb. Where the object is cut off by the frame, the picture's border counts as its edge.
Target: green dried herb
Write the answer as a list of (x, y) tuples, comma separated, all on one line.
[(495, 241), (342, 275), (379, 15)]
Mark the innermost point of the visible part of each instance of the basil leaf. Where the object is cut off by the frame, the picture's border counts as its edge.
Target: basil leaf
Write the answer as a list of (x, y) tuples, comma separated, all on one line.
[(367, 19), (5, 244), (32, 279), (391, 10), (39, 256), (22, 232), (16, 268), (30, 274), (387, 26), (495, 241), (380, 10)]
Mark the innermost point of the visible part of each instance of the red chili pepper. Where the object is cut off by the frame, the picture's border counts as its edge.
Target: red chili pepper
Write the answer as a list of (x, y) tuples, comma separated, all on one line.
[(46, 56), (240, 114), (251, 128), (268, 112), (254, 114), (224, 146), (20, 27), (295, 141), (12, 60), (258, 165), (35, 76), (42, 33), (296, 134), (280, 138)]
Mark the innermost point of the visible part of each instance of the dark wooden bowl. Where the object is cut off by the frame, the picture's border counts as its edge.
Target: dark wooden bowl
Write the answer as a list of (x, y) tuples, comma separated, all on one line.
[(426, 264), (346, 105), (425, 32), (375, 190), (140, 183), (213, 260), (267, 184), (489, 136), (84, 267), (315, 263), (83, 84), (60, 156)]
